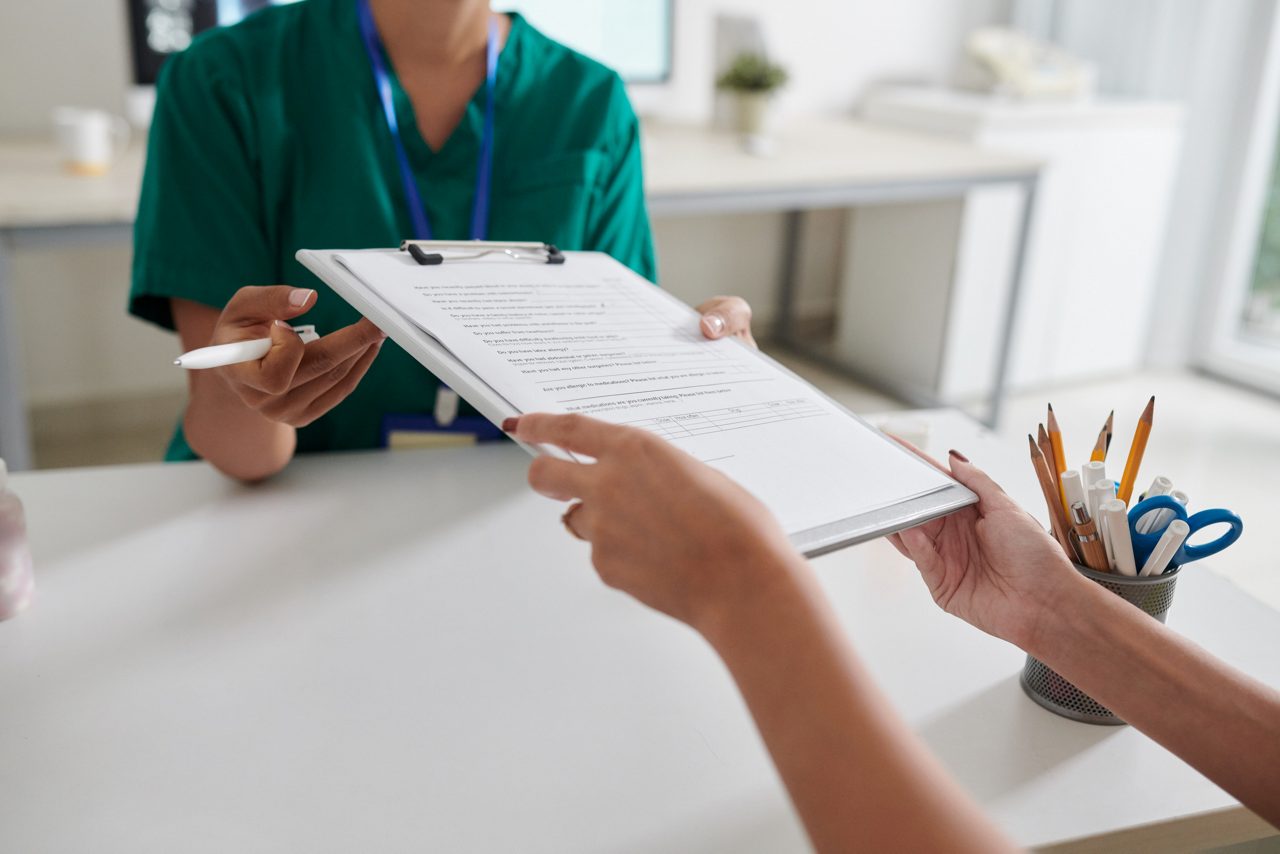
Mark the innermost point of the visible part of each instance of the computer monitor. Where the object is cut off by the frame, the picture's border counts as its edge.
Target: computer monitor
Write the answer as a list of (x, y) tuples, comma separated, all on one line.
[(634, 37)]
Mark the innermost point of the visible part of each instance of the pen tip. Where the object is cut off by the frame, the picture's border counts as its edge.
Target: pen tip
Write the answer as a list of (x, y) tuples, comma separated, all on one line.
[(1051, 407), (178, 362)]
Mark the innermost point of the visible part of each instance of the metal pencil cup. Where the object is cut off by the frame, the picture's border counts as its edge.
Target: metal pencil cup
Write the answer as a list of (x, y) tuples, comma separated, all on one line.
[(1153, 594)]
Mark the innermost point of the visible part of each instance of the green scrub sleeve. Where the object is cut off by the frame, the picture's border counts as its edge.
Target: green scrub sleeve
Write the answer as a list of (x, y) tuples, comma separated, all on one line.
[(619, 224), (200, 232)]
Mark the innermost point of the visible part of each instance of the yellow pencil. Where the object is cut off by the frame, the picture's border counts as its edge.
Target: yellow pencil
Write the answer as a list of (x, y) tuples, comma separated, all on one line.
[(1059, 456), (1103, 444), (1136, 450)]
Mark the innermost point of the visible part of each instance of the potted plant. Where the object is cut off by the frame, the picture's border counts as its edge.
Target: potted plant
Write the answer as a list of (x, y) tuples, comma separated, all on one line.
[(751, 79)]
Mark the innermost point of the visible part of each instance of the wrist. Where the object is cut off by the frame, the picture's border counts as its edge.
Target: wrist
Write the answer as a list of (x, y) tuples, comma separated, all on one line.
[(1062, 612), (768, 584)]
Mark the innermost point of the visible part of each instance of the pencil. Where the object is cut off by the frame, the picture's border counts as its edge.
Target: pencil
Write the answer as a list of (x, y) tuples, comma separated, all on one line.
[(1059, 455), (1136, 450), (1057, 521), (1046, 448), (1103, 444)]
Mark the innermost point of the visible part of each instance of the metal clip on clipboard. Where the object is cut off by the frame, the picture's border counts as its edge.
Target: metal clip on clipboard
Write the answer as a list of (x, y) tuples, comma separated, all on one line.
[(432, 252)]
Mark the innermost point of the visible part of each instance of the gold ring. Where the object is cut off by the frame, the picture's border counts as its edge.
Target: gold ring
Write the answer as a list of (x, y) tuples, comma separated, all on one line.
[(566, 520)]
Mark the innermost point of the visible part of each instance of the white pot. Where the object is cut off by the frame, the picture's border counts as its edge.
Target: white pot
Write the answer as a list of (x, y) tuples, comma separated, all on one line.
[(749, 112)]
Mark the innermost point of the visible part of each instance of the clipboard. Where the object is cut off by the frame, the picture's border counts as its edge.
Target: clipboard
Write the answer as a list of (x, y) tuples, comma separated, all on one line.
[(432, 354)]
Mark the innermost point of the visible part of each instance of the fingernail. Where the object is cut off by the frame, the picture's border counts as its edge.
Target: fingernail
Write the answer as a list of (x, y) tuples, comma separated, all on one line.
[(298, 297), (959, 456), (715, 323), (285, 325), (509, 425)]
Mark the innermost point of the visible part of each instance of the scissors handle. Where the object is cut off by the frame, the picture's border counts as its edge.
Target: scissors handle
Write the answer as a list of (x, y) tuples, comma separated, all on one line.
[(1144, 544), (1204, 519)]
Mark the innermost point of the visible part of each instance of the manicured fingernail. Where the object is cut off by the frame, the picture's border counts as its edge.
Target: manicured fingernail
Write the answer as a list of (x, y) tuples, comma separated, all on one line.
[(285, 325), (298, 296), (509, 425), (959, 456), (715, 323)]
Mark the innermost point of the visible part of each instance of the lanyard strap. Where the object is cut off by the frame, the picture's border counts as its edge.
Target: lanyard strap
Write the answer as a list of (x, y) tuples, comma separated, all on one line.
[(484, 170)]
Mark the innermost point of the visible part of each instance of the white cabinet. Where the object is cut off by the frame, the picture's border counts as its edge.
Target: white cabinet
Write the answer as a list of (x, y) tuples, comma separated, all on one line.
[(925, 284)]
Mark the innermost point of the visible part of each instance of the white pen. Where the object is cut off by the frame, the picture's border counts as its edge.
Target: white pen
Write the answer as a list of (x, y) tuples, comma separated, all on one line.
[(222, 355), (1151, 521), (1092, 472), (1158, 519), (1100, 493), (1115, 519), (1170, 541)]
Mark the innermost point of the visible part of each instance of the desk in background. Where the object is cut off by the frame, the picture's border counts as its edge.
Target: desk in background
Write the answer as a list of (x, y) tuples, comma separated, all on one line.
[(404, 651), (820, 164)]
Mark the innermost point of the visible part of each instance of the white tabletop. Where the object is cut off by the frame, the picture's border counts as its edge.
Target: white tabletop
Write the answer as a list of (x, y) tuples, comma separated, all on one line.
[(405, 652), (686, 166), (813, 153), (36, 191)]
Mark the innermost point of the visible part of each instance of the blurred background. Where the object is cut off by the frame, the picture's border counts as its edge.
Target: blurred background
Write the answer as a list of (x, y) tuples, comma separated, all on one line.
[(975, 203)]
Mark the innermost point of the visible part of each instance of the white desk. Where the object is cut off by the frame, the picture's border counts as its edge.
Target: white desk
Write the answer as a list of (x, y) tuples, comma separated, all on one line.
[(405, 652), (820, 164), (43, 205)]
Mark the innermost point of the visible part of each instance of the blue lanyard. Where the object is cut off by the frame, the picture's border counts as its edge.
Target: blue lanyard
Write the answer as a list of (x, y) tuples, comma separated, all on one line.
[(484, 170)]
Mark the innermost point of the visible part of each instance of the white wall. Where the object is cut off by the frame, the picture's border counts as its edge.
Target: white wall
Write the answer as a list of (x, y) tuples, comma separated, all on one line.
[(1207, 55), (74, 52), (832, 48), (53, 52)]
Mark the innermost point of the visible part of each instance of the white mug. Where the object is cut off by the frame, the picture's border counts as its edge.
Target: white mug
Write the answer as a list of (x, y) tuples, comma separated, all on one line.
[(89, 139)]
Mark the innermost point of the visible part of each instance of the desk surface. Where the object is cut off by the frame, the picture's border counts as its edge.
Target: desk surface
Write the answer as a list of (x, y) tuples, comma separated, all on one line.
[(681, 162), (813, 154), (404, 651)]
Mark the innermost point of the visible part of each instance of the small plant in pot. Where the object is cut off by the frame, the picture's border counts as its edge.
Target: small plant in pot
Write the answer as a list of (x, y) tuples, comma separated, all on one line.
[(751, 79)]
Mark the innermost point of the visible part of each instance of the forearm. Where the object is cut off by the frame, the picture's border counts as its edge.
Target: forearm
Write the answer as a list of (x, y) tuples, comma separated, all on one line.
[(1218, 720), (235, 439), (858, 776)]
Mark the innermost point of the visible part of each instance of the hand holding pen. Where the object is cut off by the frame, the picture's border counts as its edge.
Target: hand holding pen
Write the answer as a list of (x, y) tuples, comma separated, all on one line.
[(271, 368)]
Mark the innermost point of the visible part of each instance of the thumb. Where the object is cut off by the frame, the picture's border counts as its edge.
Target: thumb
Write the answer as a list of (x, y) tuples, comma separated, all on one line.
[(263, 304), (991, 496)]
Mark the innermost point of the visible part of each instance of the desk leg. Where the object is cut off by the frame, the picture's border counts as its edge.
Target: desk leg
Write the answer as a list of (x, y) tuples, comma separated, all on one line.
[(1016, 284), (788, 273), (15, 445)]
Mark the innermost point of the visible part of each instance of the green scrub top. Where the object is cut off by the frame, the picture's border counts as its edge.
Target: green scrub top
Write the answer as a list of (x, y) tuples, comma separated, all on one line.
[(268, 137)]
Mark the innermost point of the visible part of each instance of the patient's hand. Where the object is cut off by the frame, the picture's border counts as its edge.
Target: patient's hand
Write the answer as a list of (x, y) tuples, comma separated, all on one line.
[(674, 533), (724, 317), (990, 564)]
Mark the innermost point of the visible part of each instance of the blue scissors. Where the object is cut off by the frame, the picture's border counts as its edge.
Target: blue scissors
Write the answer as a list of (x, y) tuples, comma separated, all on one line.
[(1144, 544)]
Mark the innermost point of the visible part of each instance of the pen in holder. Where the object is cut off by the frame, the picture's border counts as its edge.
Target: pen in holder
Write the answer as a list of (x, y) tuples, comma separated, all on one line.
[(1153, 594)]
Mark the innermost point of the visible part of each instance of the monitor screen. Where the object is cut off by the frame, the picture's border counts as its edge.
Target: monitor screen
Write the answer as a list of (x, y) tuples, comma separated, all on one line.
[(631, 36)]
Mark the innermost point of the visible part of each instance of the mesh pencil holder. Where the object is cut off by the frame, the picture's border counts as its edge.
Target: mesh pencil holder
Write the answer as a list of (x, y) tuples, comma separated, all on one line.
[(1153, 594)]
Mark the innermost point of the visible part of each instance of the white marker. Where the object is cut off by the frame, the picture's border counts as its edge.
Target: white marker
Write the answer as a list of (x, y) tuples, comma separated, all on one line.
[(1074, 489), (222, 355), (1092, 472), (1100, 493), (1170, 541), (1115, 520)]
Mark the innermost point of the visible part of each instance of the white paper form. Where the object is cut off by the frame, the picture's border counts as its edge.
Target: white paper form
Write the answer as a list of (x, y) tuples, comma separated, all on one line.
[(591, 336)]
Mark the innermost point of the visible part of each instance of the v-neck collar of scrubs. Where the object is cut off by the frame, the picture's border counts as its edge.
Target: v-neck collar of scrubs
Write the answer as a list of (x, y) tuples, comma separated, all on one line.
[(463, 144)]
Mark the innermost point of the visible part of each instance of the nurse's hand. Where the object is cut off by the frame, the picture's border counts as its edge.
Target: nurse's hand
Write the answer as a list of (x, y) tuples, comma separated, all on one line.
[(723, 317), (674, 533), (294, 383)]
